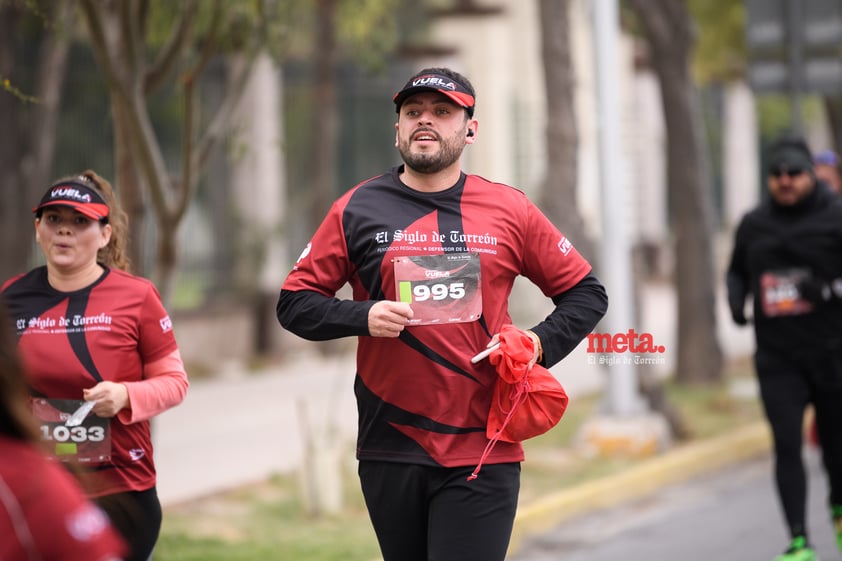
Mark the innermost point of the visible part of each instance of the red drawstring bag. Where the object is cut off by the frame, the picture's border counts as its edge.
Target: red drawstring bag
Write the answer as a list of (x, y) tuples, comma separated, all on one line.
[(527, 402)]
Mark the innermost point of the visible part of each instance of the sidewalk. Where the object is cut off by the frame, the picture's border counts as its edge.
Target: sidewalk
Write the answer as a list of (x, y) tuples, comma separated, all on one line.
[(242, 427)]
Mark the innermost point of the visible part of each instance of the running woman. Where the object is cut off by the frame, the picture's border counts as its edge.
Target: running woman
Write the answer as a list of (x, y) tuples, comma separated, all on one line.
[(100, 353), (44, 515)]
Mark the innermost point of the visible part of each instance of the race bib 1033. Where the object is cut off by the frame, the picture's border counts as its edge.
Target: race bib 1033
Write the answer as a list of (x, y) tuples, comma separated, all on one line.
[(87, 442)]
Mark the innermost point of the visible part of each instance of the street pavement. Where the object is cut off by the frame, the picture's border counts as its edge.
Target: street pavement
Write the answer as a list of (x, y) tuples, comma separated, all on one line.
[(241, 426), (729, 514)]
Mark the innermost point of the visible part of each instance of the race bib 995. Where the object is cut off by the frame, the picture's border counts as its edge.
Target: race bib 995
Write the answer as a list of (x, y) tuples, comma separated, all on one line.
[(440, 288)]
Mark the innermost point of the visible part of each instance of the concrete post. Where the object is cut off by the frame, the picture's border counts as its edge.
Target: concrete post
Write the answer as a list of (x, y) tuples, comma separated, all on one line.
[(623, 398)]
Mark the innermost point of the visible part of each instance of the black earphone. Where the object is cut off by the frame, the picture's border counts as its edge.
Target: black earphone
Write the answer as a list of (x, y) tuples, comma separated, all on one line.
[(470, 132)]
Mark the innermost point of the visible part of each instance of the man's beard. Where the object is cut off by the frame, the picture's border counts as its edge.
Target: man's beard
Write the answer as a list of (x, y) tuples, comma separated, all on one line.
[(428, 162)]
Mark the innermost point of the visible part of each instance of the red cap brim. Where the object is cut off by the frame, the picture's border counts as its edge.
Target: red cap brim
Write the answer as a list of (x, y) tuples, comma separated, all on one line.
[(95, 211)]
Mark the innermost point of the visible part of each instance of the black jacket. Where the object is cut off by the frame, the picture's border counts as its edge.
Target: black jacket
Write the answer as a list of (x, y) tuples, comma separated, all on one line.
[(782, 256)]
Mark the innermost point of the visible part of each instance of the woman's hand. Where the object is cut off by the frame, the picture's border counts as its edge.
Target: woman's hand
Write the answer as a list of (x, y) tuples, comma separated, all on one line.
[(110, 398)]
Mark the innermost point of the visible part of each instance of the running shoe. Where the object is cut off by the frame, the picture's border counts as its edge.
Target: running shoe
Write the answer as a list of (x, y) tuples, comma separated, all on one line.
[(798, 551)]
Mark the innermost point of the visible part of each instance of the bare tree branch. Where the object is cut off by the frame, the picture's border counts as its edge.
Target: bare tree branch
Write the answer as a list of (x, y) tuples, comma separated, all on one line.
[(187, 166), (132, 50), (209, 48), (169, 55), (101, 45), (119, 34), (221, 122), (189, 175), (51, 64), (143, 18)]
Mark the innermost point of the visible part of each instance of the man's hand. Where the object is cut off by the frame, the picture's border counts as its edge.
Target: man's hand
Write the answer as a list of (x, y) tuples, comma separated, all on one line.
[(737, 311), (537, 349), (737, 299), (387, 318), (538, 352)]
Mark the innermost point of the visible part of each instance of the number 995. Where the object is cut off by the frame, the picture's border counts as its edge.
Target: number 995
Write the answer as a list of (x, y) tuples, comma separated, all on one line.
[(438, 291)]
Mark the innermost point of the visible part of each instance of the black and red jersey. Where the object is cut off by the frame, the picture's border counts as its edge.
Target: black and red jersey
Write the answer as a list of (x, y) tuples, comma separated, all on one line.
[(70, 341), (420, 400)]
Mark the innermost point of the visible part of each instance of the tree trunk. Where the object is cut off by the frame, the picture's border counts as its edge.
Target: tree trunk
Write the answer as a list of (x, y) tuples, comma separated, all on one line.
[(326, 126), (667, 26), (26, 153), (52, 60), (558, 198), (15, 220), (127, 184), (167, 259)]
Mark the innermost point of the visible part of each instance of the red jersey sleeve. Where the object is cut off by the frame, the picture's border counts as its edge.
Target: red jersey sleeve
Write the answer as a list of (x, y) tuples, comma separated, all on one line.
[(157, 338), (324, 265), (549, 259)]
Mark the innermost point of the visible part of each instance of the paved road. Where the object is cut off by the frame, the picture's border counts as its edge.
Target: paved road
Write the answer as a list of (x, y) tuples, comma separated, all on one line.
[(729, 515)]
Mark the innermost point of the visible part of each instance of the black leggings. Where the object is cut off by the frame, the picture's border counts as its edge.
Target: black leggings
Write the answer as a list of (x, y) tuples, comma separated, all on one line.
[(787, 386), (424, 513), (137, 517)]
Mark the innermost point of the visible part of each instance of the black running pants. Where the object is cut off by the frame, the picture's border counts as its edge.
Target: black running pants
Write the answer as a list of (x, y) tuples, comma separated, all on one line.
[(425, 513), (137, 517), (787, 385)]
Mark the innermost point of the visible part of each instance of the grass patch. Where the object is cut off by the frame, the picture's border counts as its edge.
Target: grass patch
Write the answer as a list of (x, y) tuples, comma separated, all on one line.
[(265, 522), (268, 521)]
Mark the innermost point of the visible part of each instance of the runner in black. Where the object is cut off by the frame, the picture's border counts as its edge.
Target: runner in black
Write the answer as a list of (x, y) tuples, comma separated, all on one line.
[(431, 254), (788, 255)]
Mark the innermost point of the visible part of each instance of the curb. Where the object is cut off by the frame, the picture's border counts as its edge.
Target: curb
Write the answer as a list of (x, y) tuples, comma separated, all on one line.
[(677, 465)]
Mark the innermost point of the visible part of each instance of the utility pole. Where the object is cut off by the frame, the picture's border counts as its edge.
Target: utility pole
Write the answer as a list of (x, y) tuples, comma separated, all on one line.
[(625, 427), (623, 395)]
